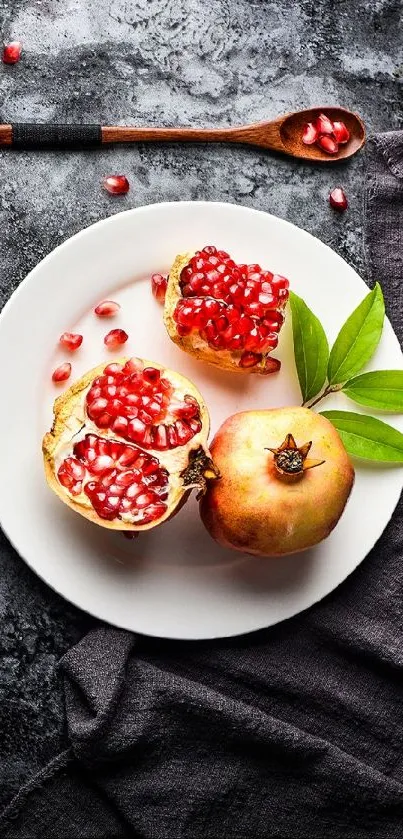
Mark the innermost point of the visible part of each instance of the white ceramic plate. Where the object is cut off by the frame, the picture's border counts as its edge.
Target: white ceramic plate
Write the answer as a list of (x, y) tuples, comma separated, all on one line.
[(173, 581)]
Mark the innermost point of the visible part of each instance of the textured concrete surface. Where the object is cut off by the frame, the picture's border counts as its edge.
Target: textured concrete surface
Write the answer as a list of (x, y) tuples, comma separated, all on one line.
[(163, 62)]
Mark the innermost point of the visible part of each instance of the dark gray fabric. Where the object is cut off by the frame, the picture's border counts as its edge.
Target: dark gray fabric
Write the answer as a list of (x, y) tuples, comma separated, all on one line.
[(292, 732)]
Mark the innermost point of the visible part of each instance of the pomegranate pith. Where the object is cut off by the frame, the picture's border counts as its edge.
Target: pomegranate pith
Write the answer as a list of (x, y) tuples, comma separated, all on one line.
[(222, 312), (285, 480), (118, 467)]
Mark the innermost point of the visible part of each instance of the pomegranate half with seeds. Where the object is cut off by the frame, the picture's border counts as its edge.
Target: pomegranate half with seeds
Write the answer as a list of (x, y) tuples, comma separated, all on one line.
[(127, 445), (227, 314), (285, 480)]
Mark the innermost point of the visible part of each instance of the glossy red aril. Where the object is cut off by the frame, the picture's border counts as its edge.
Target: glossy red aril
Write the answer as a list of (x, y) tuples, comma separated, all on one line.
[(326, 134), (107, 309), (62, 373), (12, 52), (216, 305), (71, 341), (328, 144), (159, 286), (141, 405), (324, 125), (341, 132), (116, 184), (115, 338), (338, 199), (309, 134)]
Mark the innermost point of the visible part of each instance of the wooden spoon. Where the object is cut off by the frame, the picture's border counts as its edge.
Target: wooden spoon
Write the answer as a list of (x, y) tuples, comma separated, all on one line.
[(283, 134)]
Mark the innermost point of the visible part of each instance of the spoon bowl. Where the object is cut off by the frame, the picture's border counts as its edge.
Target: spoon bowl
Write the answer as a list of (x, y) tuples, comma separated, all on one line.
[(292, 125)]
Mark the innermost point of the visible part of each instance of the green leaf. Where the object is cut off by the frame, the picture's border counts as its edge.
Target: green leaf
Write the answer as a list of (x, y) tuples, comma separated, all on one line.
[(357, 339), (367, 437), (381, 389), (311, 349)]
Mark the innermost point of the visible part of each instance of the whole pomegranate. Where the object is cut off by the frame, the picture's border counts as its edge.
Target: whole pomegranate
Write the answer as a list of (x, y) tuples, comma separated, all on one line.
[(285, 480), (225, 313), (127, 445)]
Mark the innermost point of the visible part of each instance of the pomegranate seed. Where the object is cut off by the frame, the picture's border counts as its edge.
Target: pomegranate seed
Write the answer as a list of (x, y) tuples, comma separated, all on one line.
[(328, 144), (249, 359), (159, 287), (341, 132), (116, 184), (71, 340), (151, 375), (12, 52), (324, 125), (115, 338), (338, 199), (272, 365), (309, 134), (62, 373), (106, 309)]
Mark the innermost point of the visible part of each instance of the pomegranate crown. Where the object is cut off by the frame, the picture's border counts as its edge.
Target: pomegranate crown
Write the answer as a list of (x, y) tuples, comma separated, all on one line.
[(293, 460)]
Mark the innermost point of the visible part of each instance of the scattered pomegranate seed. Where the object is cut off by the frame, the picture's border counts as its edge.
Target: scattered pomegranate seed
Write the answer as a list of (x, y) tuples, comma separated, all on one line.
[(309, 134), (341, 132), (159, 287), (71, 340), (338, 199), (324, 125), (115, 338), (106, 309), (12, 52), (328, 144), (62, 373), (116, 184)]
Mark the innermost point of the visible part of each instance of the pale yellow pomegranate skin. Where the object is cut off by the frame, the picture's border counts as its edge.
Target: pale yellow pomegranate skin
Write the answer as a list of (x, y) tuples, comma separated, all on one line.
[(252, 508)]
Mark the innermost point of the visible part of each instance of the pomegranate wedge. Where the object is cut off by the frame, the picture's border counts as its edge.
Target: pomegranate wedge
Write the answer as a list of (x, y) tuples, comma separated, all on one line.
[(227, 314), (127, 445)]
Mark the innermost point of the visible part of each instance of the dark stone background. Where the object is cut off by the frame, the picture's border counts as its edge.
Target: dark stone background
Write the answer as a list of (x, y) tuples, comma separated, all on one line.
[(162, 62)]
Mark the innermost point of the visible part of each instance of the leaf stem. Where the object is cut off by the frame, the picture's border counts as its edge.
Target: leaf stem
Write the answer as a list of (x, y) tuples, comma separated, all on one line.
[(329, 389)]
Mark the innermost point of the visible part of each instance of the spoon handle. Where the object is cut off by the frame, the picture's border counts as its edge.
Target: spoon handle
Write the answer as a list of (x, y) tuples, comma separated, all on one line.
[(264, 134), (37, 136)]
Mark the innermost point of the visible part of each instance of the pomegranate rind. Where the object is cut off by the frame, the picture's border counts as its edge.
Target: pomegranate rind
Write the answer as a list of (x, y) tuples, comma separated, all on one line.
[(69, 417), (193, 343), (251, 508)]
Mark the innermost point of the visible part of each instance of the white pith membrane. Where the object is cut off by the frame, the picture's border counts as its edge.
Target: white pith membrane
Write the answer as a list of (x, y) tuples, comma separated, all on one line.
[(165, 482)]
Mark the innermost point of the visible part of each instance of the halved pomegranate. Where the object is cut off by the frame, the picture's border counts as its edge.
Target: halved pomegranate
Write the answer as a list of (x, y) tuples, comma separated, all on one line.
[(127, 445), (224, 313)]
